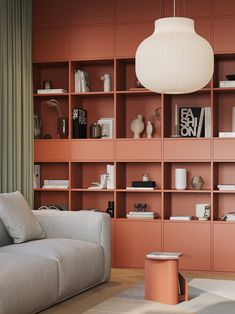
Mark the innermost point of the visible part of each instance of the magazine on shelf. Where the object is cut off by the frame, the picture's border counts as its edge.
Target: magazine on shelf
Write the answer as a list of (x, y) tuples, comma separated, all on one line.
[(56, 184), (226, 134), (191, 121), (226, 84), (226, 187)]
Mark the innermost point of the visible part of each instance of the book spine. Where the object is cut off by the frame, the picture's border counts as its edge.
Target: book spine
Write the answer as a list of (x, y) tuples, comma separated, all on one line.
[(207, 122), (78, 81), (199, 130), (85, 85), (110, 179), (37, 178), (79, 123)]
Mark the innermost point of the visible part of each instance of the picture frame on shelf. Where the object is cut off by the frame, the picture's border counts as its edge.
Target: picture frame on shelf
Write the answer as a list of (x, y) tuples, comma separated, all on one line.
[(106, 127)]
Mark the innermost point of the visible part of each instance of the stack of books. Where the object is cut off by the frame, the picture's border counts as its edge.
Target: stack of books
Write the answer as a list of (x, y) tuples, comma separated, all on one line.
[(56, 184), (141, 215), (226, 134), (181, 217), (82, 82), (142, 185), (226, 187), (52, 91), (227, 84)]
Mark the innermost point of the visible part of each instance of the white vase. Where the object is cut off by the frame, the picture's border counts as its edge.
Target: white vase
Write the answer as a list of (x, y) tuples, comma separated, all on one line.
[(137, 126), (180, 179), (149, 129)]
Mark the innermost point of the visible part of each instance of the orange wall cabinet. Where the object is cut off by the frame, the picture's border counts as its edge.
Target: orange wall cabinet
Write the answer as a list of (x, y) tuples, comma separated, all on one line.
[(134, 239), (104, 40)]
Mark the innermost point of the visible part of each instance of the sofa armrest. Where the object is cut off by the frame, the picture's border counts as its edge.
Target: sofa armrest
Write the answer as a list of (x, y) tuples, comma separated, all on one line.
[(83, 225)]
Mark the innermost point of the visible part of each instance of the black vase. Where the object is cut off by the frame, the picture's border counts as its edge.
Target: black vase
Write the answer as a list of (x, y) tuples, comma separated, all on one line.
[(110, 209)]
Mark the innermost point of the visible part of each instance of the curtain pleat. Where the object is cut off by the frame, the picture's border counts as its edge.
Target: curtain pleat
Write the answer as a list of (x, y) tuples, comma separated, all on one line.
[(16, 104)]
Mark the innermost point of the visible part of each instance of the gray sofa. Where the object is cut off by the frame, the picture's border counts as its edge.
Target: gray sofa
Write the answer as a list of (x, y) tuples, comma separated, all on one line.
[(74, 256)]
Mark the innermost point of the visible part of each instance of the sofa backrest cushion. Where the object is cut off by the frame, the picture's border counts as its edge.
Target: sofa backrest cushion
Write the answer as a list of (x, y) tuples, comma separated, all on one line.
[(4, 236), (18, 219)]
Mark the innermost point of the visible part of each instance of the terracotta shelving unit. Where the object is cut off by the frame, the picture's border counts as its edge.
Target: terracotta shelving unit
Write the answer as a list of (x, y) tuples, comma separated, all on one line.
[(104, 40)]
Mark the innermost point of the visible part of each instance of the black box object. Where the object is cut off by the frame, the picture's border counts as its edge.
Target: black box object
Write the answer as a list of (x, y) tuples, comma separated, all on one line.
[(143, 184)]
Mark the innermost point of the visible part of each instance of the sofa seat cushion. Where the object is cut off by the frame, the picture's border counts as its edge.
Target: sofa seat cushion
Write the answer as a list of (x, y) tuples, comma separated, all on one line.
[(28, 283), (80, 263)]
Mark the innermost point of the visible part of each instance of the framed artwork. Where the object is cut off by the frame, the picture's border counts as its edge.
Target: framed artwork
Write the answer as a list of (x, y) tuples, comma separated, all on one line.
[(106, 127)]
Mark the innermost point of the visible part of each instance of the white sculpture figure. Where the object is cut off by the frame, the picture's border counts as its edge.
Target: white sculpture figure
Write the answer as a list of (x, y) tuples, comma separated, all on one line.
[(149, 129), (137, 126), (107, 82)]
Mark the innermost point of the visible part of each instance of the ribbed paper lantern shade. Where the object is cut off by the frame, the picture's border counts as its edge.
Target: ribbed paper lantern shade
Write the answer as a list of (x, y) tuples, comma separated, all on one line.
[(174, 59)]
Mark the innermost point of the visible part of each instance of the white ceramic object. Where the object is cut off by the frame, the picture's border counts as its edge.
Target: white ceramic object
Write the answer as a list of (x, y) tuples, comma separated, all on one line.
[(137, 126), (203, 211), (149, 129), (106, 78), (180, 179)]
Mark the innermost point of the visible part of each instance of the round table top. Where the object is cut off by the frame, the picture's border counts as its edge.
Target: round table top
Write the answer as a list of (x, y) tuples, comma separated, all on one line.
[(163, 255)]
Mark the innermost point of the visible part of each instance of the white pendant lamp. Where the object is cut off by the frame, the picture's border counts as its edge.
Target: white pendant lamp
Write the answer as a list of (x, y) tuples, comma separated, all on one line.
[(174, 59)]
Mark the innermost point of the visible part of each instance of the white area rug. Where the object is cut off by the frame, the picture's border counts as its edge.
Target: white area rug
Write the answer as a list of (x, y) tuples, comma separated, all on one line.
[(206, 296)]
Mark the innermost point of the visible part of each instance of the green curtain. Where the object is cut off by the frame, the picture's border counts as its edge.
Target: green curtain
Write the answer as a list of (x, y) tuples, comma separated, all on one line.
[(16, 109)]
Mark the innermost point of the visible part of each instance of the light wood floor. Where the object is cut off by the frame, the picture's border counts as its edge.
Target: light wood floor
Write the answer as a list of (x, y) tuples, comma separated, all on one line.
[(121, 279)]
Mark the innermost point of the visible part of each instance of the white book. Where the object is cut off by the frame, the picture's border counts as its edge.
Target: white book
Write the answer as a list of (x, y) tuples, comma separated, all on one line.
[(110, 178), (233, 119), (139, 188), (207, 122), (181, 217), (52, 91), (78, 88), (226, 187), (139, 217), (226, 134), (227, 84), (142, 213), (199, 130), (36, 184), (56, 184)]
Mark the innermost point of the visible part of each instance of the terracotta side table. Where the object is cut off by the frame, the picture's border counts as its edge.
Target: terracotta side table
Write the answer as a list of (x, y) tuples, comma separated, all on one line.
[(163, 283)]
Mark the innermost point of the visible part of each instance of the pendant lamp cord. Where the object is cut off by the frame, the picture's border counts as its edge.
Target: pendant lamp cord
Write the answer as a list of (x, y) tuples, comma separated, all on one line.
[(174, 8)]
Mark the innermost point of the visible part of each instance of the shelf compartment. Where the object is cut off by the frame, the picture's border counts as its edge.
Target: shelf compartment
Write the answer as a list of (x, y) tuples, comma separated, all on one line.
[(224, 173), (51, 150), (176, 205), (200, 98), (133, 171), (134, 239), (56, 72), (52, 197), (223, 203), (139, 150), (95, 69), (202, 169), (223, 65), (53, 171), (129, 106), (223, 104), (98, 107), (92, 150), (84, 200), (195, 249), (193, 149), (224, 149), (125, 202), (84, 173), (49, 115)]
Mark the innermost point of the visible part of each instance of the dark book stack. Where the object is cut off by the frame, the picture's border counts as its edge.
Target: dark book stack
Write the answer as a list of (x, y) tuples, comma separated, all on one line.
[(143, 184), (79, 123), (191, 121)]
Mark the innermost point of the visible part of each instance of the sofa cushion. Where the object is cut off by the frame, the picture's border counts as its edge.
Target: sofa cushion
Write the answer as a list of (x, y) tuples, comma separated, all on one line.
[(28, 283), (81, 263), (18, 219)]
